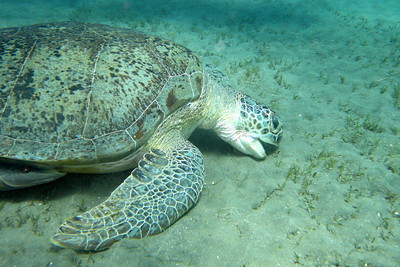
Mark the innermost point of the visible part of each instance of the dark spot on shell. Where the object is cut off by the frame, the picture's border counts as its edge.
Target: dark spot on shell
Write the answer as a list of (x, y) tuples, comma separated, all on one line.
[(7, 111), (60, 117), (56, 54), (22, 88), (171, 99), (74, 88), (139, 134), (20, 129)]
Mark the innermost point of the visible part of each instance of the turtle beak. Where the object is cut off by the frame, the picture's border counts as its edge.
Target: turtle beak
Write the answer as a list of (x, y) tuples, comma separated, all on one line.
[(250, 146), (256, 145), (256, 149)]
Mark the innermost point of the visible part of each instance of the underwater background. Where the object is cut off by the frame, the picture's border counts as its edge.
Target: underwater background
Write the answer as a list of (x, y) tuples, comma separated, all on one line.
[(329, 196)]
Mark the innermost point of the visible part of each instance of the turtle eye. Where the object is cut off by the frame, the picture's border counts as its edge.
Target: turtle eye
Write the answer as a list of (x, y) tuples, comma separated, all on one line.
[(275, 123)]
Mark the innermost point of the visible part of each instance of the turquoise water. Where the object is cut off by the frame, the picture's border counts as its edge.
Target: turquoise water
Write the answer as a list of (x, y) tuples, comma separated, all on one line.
[(328, 196)]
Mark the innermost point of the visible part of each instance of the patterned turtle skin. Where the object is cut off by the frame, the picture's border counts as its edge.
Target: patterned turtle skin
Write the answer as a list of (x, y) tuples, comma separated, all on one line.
[(90, 98)]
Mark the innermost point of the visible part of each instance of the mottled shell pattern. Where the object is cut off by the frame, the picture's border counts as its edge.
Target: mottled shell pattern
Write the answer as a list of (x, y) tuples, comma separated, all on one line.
[(72, 94)]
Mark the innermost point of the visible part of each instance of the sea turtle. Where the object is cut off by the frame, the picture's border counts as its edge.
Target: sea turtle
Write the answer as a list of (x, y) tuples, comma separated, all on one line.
[(90, 98)]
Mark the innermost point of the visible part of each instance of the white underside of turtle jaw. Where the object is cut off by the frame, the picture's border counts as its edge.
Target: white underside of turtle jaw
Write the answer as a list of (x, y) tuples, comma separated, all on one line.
[(243, 141), (247, 144)]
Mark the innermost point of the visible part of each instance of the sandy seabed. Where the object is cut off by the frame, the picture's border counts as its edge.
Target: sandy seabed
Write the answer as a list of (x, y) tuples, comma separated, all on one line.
[(329, 196)]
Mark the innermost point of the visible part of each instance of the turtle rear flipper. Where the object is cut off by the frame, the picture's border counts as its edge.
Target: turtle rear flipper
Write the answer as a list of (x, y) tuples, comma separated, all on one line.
[(164, 186), (15, 176)]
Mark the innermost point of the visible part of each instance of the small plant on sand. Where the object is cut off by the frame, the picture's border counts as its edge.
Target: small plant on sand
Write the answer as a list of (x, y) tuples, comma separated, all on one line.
[(396, 95)]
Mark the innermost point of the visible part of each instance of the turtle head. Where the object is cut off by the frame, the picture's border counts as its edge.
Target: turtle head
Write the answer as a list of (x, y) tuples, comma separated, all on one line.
[(254, 125)]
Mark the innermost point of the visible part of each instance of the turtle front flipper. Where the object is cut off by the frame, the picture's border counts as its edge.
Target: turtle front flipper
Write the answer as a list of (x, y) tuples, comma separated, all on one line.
[(164, 186)]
